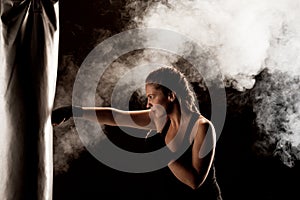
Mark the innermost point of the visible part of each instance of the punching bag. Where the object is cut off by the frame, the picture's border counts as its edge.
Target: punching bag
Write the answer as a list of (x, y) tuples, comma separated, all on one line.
[(28, 72)]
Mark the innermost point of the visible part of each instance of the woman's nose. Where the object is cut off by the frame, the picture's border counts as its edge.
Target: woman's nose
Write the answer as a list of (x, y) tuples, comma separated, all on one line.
[(149, 104)]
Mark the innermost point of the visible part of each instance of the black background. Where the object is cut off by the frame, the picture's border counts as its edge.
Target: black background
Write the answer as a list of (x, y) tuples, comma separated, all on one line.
[(241, 172)]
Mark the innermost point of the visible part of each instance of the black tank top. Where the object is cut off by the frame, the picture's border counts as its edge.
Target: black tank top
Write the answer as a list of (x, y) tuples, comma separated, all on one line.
[(210, 189)]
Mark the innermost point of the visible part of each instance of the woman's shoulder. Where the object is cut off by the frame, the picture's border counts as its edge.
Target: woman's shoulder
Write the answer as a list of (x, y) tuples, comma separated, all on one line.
[(201, 120), (199, 124), (203, 124)]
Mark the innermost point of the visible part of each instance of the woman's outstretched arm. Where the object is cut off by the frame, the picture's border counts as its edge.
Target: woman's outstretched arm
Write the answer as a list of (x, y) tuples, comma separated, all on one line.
[(116, 117), (105, 115)]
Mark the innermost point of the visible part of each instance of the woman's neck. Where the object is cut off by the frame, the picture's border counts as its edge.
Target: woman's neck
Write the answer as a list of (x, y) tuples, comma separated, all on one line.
[(176, 115)]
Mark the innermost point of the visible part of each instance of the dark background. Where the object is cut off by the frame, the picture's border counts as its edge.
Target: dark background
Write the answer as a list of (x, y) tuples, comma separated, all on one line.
[(241, 172)]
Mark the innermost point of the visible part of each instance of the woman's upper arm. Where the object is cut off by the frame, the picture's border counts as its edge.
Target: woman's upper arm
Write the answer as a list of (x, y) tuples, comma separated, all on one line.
[(203, 148), (141, 119)]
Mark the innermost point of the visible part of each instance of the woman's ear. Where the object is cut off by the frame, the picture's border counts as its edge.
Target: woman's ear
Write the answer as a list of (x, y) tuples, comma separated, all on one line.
[(172, 96)]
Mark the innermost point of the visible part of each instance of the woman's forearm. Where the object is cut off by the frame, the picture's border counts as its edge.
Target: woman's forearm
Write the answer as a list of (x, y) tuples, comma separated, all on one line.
[(187, 175)]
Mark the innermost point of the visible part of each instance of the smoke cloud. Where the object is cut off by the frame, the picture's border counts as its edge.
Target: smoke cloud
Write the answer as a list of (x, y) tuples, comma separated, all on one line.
[(276, 104), (67, 145), (243, 38), (246, 37)]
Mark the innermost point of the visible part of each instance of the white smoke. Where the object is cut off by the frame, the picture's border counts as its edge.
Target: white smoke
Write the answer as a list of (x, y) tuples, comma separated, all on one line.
[(277, 108), (67, 145), (247, 37), (244, 33)]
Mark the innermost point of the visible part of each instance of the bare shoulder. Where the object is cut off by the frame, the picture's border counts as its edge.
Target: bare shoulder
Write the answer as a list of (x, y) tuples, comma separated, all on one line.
[(204, 133), (200, 127), (203, 121), (204, 126)]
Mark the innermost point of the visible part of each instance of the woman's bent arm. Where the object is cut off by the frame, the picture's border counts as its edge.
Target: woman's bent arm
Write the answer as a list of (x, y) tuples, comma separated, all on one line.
[(195, 173)]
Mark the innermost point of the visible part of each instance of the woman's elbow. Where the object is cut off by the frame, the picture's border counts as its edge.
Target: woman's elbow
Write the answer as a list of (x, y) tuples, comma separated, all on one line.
[(193, 186), (197, 183)]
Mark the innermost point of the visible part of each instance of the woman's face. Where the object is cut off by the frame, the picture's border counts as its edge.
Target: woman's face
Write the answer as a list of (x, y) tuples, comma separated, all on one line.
[(156, 97), (159, 104)]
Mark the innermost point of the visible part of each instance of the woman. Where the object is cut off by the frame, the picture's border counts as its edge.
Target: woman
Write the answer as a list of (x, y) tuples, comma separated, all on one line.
[(173, 113)]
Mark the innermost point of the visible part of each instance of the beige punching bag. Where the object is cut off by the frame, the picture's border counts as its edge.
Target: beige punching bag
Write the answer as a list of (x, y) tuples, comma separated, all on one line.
[(28, 72)]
